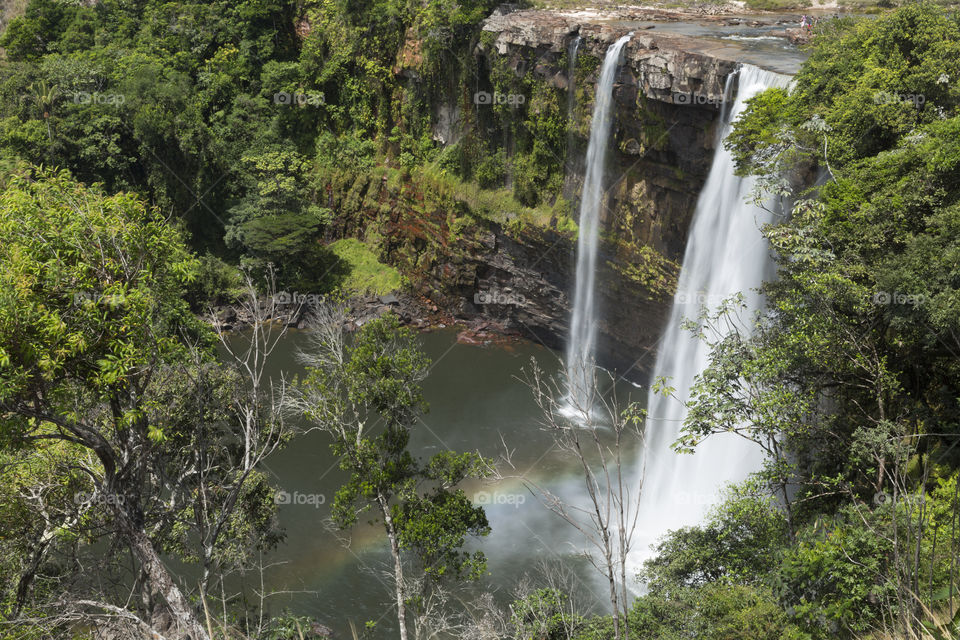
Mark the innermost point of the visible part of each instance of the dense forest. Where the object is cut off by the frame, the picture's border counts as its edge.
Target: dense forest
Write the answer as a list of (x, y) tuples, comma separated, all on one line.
[(159, 160)]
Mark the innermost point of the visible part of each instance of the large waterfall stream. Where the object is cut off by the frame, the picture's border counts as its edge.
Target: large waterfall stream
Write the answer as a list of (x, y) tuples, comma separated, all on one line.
[(725, 254), (583, 326)]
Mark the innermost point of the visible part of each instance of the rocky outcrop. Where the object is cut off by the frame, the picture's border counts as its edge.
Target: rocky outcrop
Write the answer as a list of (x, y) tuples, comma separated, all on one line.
[(499, 272), (668, 98), (667, 67), (492, 276)]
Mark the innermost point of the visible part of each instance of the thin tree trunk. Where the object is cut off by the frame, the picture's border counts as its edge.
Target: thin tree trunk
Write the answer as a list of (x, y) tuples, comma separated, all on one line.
[(26, 578), (159, 577), (612, 579), (616, 606), (397, 568)]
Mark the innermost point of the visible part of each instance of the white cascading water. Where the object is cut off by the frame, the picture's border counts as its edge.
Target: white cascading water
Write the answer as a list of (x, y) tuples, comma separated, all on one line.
[(725, 254), (572, 50), (583, 326), (570, 162)]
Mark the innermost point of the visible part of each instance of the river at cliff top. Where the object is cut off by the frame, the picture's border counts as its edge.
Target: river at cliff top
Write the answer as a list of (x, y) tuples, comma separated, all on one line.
[(476, 404), (752, 44)]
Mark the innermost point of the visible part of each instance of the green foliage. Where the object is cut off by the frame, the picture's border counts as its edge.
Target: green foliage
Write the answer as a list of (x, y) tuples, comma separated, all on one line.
[(840, 578), (492, 170), (742, 539), (84, 287), (201, 106), (435, 525), (867, 266), (544, 615), (37, 31), (648, 267), (368, 396), (533, 117), (23, 537), (216, 283), (276, 224), (871, 82), (835, 577), (714, 611), (109, 379), (366, 273), (849, 377), (350, 150)]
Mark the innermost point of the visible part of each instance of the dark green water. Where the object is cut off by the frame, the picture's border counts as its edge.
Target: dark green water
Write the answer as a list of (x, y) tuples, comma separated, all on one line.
[(476, 404)]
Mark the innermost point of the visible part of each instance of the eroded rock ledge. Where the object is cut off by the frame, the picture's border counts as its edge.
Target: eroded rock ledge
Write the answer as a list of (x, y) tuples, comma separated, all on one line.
[(666, 65), (667, 100)]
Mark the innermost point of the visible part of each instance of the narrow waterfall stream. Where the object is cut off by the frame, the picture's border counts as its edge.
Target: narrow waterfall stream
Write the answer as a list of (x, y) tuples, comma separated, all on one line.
[(572, 50), (583, 326), (725, 254), (571, 161)]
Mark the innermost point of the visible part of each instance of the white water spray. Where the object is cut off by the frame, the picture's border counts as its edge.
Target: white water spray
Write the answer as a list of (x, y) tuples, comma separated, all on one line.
[(725, 254), (583, 325), (572, 50), (570, 161)]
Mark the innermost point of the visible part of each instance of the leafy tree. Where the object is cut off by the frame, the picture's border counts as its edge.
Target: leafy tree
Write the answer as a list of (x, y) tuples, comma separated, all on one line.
[(861, 314), (366, 395), (850, 374), (741, 542), (835, 577), (89, 309), (276, 223), (715, 611), (33, 34), (110, 389), (871, 83), (544, 614)]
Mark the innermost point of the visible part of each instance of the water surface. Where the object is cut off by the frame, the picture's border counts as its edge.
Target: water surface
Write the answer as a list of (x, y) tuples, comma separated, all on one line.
[(477, 403)]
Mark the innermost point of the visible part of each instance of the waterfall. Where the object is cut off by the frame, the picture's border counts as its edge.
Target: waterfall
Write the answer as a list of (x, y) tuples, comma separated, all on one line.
[(572, 50), (570, 160), (725, 254), (583, 324)]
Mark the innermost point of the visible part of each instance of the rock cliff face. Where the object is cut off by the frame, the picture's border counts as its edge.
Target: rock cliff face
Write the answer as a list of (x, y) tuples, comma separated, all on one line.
[(669, 92), (668, 97), (518, 277), (666, 66)]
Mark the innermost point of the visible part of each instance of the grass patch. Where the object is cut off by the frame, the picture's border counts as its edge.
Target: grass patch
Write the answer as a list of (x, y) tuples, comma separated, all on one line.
[(498, 205), (367, 274)]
